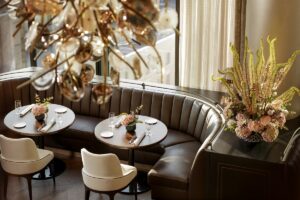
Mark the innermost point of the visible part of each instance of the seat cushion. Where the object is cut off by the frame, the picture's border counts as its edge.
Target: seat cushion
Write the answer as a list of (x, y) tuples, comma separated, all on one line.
[(173, 168), (154, 152), (83, 128), (80, 134), (176, 137)]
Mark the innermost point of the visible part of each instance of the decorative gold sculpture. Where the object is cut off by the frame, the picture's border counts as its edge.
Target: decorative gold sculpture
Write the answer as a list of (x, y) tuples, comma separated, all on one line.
[(253, 108), (84, 30)]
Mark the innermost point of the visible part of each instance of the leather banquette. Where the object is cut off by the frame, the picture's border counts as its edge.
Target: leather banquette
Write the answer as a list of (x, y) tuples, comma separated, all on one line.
[(177, 161)]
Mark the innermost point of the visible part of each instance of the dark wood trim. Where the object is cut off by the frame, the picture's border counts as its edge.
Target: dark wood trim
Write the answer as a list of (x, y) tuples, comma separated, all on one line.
[(240, 26), (5, 184), (177, 45), (28, 178), (33, 62), (98, 67), (86, 193)]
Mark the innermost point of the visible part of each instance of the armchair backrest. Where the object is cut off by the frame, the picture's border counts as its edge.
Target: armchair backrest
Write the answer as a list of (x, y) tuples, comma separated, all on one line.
[(101, 165), (23, 149)]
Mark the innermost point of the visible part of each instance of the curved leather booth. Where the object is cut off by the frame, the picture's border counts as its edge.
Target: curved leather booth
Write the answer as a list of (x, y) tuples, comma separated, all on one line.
[(192, 123)]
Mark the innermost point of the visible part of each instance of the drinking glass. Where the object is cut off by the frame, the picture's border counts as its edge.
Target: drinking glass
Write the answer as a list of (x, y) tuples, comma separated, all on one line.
[(111, 116), (18, 106), (148, 129), (59, 118)]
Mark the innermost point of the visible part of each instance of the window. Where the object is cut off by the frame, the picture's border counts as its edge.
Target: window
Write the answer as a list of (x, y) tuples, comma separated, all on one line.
[(15, 56), (12, 53), (166, 45)]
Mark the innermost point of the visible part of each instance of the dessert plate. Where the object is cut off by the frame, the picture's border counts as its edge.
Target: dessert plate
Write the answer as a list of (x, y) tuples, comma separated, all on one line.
[(107, 134), (151, 121), (60, 110), (20, 125)]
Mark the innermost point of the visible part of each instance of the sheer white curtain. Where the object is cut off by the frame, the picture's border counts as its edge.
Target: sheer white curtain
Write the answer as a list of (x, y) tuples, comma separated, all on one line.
[(207, 29), (12, 52)]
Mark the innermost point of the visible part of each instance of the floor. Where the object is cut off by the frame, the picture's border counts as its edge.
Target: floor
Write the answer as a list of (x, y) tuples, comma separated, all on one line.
[(69, 186)]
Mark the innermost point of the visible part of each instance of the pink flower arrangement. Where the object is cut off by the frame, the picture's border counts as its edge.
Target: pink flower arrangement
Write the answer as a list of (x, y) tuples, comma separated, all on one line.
[(128, 120), (265, 124), (131, 119), (39, 109), (41, 106)]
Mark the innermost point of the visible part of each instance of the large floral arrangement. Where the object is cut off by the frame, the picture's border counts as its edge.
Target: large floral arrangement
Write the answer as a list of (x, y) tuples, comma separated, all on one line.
[(253, 109), (41, 105)]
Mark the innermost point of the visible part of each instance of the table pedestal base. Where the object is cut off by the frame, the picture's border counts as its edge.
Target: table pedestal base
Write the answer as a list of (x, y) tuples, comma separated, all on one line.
[(142, 184), (59, 167)]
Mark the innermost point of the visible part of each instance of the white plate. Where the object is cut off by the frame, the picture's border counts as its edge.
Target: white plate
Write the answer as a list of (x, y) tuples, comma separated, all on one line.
[(151, 121), (107, 134), (60, 110), (20, 125)]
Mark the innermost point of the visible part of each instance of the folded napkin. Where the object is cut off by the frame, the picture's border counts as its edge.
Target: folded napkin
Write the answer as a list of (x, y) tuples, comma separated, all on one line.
[(48, 126), (119, 121), (139, 139), (26, 110)]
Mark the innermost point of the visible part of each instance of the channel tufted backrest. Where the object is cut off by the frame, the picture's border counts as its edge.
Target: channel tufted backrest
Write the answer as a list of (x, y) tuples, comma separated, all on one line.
[(178, 112), (27, 95)]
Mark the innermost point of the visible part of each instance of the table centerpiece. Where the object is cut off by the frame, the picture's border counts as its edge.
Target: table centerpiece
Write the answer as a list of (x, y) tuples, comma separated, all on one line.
[(40, 108), (130, 120)]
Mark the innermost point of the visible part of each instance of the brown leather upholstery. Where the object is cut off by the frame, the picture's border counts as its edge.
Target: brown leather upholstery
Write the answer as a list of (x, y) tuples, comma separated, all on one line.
[(190, 122), (173, 168), (176, 137), (293, 173)]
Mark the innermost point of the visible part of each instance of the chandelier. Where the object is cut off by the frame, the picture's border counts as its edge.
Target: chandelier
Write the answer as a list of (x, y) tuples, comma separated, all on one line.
[(67, 34)]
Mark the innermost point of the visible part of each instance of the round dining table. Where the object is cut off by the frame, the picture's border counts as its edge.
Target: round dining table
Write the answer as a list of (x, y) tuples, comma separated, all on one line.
[(30, 128), (119, 139)]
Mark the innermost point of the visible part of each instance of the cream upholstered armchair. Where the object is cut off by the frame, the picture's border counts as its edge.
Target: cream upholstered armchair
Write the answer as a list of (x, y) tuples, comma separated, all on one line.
[(21, 157), (104, 173)]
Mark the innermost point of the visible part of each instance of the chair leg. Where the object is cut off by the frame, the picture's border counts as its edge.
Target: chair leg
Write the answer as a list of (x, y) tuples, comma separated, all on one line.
[(5, 185), (111, 196), (135, 187), (87, 193), (28, 178), (52, 171)]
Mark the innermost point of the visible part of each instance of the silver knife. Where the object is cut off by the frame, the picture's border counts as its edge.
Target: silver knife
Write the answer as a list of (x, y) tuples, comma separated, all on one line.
[(132, 139)]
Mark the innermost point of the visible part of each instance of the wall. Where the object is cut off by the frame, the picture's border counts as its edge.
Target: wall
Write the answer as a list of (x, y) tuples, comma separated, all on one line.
[(281, 19)]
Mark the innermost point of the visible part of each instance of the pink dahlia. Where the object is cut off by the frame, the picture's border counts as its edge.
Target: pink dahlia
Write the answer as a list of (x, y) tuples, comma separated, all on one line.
[(39, 109), (270, 134), (128, 119), (265, 120)]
